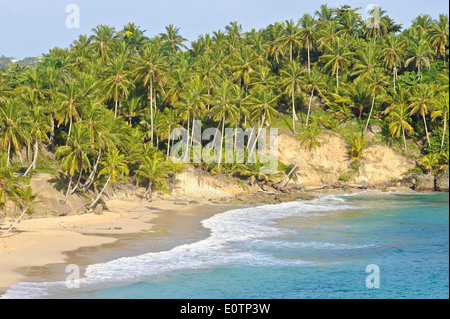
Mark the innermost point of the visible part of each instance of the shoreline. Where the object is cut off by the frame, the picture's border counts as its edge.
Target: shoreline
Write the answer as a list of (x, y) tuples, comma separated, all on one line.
[(88, 238), (36, 248)]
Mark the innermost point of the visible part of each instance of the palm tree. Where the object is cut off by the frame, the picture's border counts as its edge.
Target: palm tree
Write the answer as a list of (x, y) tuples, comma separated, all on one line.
[(290, 41), (392, 53), (399, 119), (39, 130), (103, 41), (291, 81), (337, 57), (118, 82), (74, 155), (378, 81), (421, 54), (314, 82), (153, 170), (224, 108), (14, 124), (67, 105), (114, 164), (439, 35), (421, 102), (173, 39), (153, 70), (308, 34)]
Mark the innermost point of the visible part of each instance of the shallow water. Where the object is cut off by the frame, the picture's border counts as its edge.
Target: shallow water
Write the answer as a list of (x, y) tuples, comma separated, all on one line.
[(303, 249)]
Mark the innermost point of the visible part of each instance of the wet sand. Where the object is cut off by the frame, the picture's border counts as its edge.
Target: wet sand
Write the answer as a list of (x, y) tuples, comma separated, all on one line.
[(40, 250)]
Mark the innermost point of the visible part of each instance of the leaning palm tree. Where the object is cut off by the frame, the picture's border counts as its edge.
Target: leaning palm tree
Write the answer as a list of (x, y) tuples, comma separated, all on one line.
[(314, 82), (441, 110), (114, 165), (74, 155), (378, 81)]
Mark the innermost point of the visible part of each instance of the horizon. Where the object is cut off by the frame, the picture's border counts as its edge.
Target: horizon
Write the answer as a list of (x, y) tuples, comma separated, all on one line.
[(38, 27)]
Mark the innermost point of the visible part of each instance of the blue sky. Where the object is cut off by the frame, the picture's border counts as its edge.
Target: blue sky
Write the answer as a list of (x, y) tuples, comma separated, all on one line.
[(30, 28)]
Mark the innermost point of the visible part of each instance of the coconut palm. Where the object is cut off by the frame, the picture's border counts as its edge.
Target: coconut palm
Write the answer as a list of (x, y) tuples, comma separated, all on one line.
[(337, 57), (224, 108), (308, 34), (113, 165), (392, 53), (173, 39), (422, 101), (439, 35), (290, 42), (14, 123), (291, 80), (399, 121), (421, 54), (74, 155), (118, 82), (153, 170)]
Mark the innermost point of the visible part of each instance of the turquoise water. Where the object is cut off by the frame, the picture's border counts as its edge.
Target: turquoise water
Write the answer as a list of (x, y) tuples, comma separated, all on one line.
[(304, 249)]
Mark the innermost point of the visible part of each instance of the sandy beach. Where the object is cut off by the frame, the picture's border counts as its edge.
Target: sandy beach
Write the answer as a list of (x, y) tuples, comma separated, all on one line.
[(29, 250)]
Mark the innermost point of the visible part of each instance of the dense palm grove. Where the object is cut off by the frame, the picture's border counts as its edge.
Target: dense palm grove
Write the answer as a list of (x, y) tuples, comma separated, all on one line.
[(104, 108)]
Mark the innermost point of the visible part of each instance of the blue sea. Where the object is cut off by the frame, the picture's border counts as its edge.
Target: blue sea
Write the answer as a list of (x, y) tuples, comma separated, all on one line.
[(357, 246)]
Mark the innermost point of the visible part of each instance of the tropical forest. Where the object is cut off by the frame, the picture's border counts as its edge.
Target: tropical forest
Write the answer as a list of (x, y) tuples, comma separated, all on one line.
[(100, 112)]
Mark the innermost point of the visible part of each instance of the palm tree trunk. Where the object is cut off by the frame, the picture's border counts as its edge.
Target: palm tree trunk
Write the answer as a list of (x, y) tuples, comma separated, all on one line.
[(101, 193), (293, 169), (445, 128), (309, 63), (9, 154), (70, 126), (115, 108), (15, 222), (370, 114), (151, 109), (426, 128), (309, 107), (395, 76), (35, 155), (404, 138), (290, 52), (221, 142), (94, 170), (68, 190), (187, 153), (337, 76), (294, 116), (78, 182)]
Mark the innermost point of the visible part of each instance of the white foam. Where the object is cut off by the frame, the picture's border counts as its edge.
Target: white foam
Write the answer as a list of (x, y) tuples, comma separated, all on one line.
[(219, 249)]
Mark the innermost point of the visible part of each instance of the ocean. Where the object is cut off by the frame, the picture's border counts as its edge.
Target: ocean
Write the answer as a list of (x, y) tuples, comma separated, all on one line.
[(368, 245)]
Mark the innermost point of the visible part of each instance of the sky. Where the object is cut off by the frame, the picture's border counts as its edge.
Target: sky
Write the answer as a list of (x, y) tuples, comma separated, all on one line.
[(30, 28)]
